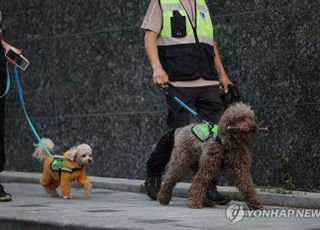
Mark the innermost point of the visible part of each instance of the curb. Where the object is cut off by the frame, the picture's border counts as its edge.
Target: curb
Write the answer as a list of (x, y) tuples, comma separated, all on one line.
[(296, 199)]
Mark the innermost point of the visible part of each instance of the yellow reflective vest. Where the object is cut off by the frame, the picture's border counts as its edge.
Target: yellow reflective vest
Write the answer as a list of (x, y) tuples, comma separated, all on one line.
[(186, 51)]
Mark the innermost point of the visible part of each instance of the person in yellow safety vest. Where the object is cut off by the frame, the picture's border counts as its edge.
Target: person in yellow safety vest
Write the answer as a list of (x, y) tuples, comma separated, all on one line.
[(4, 46), (180, 45)]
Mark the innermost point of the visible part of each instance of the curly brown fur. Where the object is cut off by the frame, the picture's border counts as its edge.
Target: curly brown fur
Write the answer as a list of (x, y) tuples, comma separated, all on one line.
[(207, 159)]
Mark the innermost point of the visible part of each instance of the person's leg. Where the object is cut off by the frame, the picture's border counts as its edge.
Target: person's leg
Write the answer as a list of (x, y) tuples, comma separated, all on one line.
[(209, 103), (4, 196), (2, 115), (156, 164), (160, 156), (210, 107)]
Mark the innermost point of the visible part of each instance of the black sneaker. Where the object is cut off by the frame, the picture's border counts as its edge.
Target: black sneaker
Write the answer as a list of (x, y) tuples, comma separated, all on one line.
[(214, 195), (152, 186), (4, 196)]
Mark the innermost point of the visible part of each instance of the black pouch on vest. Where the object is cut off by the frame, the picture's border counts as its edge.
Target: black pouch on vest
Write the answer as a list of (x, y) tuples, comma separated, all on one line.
[(178, 25)]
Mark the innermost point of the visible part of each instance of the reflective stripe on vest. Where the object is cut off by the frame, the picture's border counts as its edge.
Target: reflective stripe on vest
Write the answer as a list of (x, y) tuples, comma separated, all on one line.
[(204, 26)]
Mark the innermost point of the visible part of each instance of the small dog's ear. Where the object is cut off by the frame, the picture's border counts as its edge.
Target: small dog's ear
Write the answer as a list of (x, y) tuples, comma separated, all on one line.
[(71, 154)]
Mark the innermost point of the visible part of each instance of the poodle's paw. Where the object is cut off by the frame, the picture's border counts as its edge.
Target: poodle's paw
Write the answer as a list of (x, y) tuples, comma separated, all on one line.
[(66, 197), (163, 198), (88, 191), (195, 204), (208, 203), (54, 193), (255, 204), (47, 190), (51, 191)]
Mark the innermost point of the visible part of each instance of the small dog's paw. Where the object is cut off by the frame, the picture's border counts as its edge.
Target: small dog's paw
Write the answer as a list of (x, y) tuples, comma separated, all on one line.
[(88, 191), (51, 191), (67, 197), (47, 190), (163, 198), (208, 203), (54, 193), (195, 204)]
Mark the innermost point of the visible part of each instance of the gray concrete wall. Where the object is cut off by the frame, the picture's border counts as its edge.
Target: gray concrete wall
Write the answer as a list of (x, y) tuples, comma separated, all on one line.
[(89, 81)]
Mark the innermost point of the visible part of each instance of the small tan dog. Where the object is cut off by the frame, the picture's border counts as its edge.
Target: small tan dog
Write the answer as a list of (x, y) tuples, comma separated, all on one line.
[(61, 170)]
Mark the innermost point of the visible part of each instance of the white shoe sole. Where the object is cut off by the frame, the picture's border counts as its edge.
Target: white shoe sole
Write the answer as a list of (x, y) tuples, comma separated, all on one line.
[(5, 198)]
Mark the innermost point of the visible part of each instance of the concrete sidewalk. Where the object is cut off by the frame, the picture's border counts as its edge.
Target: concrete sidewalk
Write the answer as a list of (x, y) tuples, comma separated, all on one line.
[(296, 199), (32, 209)]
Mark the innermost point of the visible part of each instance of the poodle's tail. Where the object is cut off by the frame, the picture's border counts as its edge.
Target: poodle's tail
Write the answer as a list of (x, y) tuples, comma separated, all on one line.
[(39, 152)]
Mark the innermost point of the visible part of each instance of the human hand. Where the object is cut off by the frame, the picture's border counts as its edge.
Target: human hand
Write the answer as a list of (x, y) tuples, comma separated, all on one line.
[(160, 77), (18, 51), (225, 82), (7, 46)]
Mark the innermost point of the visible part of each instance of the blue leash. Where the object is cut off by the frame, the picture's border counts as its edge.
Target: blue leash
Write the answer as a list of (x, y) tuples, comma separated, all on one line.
[(179, 101), (23, 105), (186, 107)]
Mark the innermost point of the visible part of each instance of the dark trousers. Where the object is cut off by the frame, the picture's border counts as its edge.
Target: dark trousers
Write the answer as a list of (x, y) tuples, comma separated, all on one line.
[(206, 100), (3, 82)]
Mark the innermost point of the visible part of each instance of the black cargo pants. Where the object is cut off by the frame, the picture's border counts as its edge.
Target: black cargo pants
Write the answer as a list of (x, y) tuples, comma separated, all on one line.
[(3, 83)]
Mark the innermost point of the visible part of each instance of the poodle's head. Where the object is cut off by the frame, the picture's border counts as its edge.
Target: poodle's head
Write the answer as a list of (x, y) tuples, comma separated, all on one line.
[(238, 125), (82, 154)]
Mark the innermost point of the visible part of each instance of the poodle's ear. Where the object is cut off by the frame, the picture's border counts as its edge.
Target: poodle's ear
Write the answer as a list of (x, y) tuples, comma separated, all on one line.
[(71, 154), (225, 135)]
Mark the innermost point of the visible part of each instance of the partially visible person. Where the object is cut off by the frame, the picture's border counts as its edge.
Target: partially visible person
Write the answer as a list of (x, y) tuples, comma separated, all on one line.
[(4, 46), (179, 42)]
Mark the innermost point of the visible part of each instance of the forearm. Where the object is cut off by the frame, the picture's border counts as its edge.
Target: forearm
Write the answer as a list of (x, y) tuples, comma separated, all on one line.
[(150, 44), (5, 45), (218, 64)]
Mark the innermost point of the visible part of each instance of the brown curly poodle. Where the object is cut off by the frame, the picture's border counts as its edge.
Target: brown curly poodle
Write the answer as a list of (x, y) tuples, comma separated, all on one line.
[(238, 127)]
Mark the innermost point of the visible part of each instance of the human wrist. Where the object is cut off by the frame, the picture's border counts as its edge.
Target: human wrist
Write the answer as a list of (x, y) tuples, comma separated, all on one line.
[(6, 46), (223, 77), (156, 67)]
